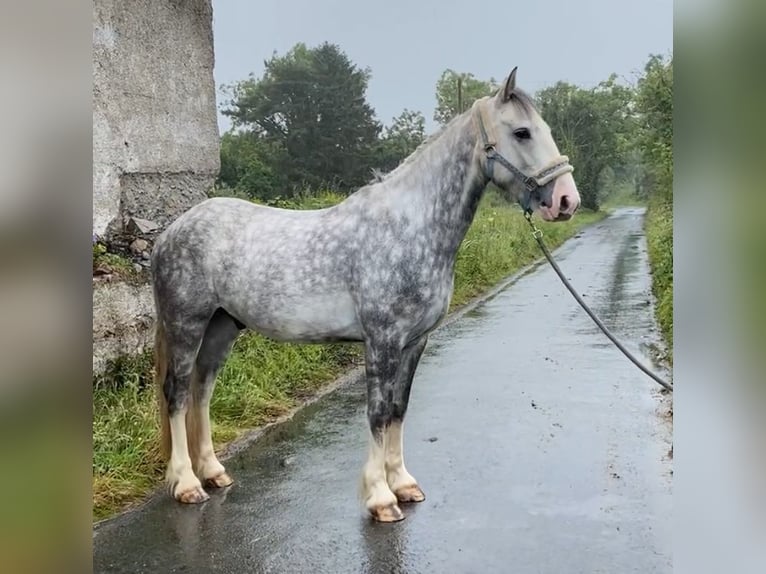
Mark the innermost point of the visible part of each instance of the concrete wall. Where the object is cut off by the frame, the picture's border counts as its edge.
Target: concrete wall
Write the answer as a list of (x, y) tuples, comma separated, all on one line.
[(155, 134), (155, 142), (123, 321)]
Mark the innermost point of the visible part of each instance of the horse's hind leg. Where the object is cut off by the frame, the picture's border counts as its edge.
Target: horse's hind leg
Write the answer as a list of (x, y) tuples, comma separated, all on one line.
[(216, 345), (381, 364), (183, 338), (401, 482)]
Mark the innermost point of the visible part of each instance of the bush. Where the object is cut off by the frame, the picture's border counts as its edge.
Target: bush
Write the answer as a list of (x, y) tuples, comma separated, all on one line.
[(659, 236)]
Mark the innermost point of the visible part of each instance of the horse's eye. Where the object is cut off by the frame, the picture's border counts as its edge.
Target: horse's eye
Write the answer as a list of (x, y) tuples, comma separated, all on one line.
[(522, 133)]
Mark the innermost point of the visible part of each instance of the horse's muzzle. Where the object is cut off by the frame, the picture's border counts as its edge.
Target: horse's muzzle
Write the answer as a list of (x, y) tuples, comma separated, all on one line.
[(564, 200)]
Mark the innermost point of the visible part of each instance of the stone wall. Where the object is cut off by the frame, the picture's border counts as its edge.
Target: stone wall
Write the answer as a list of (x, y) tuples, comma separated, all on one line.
[(155, 133), (123, 321), (155, 144)]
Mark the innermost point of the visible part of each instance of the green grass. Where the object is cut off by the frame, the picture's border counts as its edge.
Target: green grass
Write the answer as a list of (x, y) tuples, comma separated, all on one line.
[(659, 237), (499, 242), (112, 262), (263, 379)]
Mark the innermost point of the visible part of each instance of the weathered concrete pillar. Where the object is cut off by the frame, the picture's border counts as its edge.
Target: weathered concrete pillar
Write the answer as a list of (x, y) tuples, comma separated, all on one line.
[(155, 141), (155, 134)]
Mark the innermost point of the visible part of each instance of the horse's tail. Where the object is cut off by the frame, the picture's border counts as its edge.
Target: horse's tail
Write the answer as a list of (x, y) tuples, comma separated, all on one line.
[(160, 374)]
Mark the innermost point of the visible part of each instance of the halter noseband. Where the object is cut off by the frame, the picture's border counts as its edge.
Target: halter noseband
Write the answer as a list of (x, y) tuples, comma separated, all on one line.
[(559, 166)]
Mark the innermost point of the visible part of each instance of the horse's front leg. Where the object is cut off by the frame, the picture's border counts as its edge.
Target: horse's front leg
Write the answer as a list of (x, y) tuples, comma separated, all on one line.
[(402, 483), (382, 360)]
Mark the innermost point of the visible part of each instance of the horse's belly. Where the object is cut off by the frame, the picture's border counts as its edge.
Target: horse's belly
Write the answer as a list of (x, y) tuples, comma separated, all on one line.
[(307, 318)]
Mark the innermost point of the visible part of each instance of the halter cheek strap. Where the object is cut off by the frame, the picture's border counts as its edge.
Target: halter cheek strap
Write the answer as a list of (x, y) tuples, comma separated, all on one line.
[(559, 166)]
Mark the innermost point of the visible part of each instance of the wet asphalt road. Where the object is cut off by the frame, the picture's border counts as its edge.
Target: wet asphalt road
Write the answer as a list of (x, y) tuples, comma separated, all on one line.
[(540, 448)]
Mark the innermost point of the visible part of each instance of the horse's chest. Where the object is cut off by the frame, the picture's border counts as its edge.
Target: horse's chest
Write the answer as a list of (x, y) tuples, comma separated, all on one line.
[(412, 302), (435, 305)]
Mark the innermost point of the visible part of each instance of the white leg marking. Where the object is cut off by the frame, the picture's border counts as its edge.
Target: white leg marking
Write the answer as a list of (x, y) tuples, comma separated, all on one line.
[(180, 475), (396, 474), (208, 465), (375, 489)]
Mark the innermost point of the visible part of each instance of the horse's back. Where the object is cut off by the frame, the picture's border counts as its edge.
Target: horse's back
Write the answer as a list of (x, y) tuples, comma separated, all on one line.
[(281, 272)]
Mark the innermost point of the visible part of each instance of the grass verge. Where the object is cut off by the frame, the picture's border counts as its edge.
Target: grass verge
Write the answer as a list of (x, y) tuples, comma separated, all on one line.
[(499, 242), (659, 237), (263, 379)]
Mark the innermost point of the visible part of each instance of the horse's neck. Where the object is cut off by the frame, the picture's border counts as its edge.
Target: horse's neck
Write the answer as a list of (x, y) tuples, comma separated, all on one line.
[(448, 182)]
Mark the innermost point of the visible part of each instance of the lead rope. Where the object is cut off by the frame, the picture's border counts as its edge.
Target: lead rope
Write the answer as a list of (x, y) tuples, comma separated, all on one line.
[(538, 235)]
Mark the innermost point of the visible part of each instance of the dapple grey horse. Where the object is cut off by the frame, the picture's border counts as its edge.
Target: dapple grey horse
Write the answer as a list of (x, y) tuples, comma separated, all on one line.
[(376, 268)]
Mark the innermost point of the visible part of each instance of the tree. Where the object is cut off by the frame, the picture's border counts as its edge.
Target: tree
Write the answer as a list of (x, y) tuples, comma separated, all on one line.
[(310, 107), (400, 139), (654, 104), (408, 130), (246, 166), (450, 101), (593, 127)]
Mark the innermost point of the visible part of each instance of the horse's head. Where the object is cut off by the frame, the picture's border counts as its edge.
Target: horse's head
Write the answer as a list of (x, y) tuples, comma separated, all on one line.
[(518, 154)]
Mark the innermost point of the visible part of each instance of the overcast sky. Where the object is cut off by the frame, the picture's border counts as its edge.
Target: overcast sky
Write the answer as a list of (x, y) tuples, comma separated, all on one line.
[(408, 43)]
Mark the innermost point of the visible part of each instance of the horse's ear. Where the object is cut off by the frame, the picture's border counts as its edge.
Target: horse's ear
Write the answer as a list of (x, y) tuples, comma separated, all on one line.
[(510, 85)]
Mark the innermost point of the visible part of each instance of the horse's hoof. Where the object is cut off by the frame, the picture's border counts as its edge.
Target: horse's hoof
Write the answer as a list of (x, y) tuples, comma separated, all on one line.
[(410, 494), (390, 513), (193, 495), (221, 481)]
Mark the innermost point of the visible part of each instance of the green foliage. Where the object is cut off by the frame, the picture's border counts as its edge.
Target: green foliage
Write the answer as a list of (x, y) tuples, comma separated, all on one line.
[(400, 139), (126, 456), (99, 249), (315, 200), (654, 104), (499, 242), (448, 102), (247, 166), (306, 123), (408, 130), (112, 263), (594, 127), (659, 237)]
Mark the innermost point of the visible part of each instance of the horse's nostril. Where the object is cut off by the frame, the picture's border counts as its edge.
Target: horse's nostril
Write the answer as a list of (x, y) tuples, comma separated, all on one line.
[(564, 203)]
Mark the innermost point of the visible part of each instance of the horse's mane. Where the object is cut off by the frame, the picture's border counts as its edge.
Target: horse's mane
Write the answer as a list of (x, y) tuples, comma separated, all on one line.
[(521, 99), (379, 175)]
